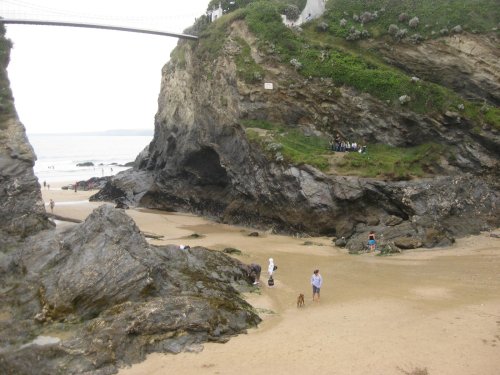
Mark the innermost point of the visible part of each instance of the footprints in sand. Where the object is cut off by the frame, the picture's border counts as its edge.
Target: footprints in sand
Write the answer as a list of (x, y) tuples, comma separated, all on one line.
[(495, 340), (432, 292)]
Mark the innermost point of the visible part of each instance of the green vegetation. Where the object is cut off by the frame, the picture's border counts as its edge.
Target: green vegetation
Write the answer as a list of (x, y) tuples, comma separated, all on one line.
[(260, 125), (178, 56), (291, 145), (380, 161), (212, 37), (301, 149), (6, 101), (394, 163), (232, 5), (434, 16), (248, 70), (321, 55)]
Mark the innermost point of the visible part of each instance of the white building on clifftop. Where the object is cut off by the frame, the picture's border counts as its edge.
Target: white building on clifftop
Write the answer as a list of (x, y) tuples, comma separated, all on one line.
[(215, 13), (312, 10)]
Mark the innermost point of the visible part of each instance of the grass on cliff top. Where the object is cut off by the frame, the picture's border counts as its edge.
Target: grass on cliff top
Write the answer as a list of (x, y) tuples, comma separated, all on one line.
[(320, 55), (232, 5), (345, 67), (434, 15)]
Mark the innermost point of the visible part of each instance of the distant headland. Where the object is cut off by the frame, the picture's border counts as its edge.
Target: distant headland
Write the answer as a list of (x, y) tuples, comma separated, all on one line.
[(111, 132)]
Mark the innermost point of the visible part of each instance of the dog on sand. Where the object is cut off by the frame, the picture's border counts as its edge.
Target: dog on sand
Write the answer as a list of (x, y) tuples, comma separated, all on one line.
[(300, 300)]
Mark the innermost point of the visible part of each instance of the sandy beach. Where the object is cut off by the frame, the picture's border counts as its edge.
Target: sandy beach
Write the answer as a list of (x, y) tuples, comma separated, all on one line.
[(426, 311)]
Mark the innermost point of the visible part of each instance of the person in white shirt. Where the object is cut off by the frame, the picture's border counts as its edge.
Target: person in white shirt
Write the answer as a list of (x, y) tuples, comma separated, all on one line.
[(316, 282), (270, 268)]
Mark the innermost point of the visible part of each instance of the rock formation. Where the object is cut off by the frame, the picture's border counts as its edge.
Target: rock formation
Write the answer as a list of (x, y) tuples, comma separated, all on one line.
[(115, 297), (467, 63), (201, 159), (21, 206)]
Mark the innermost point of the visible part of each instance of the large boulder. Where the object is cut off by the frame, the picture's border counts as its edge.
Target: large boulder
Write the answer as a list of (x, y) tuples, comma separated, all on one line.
[(117, 297)]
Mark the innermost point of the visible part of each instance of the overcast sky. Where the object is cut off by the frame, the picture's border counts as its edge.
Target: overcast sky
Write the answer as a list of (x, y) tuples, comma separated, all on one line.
[(67, 80)]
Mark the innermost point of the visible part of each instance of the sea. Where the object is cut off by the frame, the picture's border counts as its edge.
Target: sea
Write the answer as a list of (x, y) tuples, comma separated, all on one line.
[(58, 155)]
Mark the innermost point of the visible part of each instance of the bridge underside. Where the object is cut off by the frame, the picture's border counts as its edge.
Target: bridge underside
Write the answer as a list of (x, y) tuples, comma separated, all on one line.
[(97, 26)]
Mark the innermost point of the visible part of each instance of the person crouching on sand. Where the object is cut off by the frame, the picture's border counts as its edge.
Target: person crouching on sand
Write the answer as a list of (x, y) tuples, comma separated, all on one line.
[(254, 273), (316, 282)]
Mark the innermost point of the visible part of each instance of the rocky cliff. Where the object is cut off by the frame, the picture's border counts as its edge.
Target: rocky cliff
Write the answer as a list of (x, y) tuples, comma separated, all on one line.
[(96, 296), (202, 159), (21, 207)]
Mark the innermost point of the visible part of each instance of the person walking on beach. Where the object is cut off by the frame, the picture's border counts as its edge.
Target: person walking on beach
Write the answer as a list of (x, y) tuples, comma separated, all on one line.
[(371, 241), (270, 271), (52, 204), (44, 184), (316, 282), (270, 268)]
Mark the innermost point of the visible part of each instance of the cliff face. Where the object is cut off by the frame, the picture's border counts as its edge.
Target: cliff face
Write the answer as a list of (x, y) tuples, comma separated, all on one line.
[(202, 160), (467, 63), (21, 207)]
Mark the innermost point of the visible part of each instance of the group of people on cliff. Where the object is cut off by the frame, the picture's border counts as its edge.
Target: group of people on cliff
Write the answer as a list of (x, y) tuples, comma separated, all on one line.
[(340, 145)]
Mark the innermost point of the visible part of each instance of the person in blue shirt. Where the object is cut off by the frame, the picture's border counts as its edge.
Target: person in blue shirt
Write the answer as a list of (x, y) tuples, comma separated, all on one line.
[(316, 282)]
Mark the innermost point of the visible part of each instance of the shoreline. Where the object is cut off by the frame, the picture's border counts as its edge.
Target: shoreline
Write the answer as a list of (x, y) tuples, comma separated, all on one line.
[(436, 311)]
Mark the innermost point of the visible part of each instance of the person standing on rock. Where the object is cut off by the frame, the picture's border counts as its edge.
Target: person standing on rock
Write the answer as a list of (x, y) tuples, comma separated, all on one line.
[(316, 282), (51, 205), (371, 241)]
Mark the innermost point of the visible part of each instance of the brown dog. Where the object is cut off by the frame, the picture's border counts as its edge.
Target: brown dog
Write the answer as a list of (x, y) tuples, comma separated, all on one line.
[(300, 300)]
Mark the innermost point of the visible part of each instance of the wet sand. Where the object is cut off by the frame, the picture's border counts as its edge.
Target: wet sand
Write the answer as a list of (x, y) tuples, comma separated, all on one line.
[(422, 312)]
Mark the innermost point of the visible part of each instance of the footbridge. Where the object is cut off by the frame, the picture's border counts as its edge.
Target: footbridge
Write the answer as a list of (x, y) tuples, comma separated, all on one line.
[(96, 26)]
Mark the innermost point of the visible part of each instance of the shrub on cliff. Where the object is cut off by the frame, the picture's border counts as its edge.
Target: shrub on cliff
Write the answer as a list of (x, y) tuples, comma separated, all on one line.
[(322, 27), (414, 22), (403, 17), (393, 29), (292, 12), (367, 17)]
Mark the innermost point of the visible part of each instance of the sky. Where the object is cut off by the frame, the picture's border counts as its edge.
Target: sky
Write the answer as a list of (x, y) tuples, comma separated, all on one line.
[(72, 80)]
